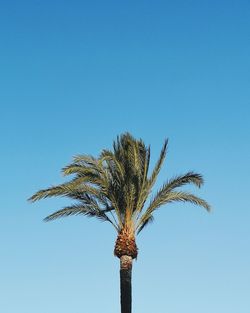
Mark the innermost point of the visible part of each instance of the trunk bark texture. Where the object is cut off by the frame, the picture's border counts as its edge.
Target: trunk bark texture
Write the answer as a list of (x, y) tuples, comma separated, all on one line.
[(125, 283)]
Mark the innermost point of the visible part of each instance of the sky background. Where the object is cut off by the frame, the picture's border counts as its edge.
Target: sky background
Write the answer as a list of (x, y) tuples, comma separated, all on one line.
[(74, 75)]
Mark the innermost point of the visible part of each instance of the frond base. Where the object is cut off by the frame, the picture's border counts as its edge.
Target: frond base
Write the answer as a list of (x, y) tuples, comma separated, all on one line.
[(125, 244)]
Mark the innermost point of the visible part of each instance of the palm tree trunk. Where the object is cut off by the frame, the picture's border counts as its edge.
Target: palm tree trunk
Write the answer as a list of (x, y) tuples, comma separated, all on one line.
[(125, 283)]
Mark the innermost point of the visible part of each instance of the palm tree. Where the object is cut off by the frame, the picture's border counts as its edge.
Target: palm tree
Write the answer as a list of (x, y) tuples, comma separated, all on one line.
[(115, 188)]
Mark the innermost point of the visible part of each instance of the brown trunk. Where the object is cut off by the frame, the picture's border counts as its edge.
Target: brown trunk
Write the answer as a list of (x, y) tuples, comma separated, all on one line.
[(125, 283)]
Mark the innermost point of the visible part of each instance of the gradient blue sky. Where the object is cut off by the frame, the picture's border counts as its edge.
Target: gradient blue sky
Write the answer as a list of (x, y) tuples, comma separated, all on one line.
[(74, 74)]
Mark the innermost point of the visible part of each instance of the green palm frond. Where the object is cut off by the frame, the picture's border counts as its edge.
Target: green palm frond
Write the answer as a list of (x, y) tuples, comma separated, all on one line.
[(89, 168), (79, 210), (181, 180), (84, 159), (80, 170), (172, 196), (188, 197), (62, 190), (114, 168), (159, 163), (148, 183), (54, 191), (166, 191), (144, 223)]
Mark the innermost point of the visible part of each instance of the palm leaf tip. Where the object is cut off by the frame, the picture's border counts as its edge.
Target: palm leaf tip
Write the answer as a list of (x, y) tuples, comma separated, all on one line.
[(196, 179), (188, 197), (30, 199), (45, 193), (163, 152), (36, 196), (190, 177)]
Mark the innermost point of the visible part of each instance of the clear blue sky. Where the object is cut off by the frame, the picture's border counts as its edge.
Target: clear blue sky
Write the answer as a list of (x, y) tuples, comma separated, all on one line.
[(74, 74)]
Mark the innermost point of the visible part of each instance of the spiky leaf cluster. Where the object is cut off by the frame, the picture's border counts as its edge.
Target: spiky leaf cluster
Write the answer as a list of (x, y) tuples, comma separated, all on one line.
[(115, 186)]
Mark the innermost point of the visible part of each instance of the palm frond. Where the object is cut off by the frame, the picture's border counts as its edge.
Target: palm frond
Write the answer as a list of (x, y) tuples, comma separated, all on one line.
[(66, 189), (145, 187), (115, 168), (146, 221), (167, 189), (172, 196), (163, 198), (79, 210), (181, 180), (159, 163), (85, 159), (181, 196), (81, 170)]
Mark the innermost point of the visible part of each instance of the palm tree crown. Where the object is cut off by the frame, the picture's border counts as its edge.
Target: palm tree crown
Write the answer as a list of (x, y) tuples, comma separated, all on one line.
[(115, 186)]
